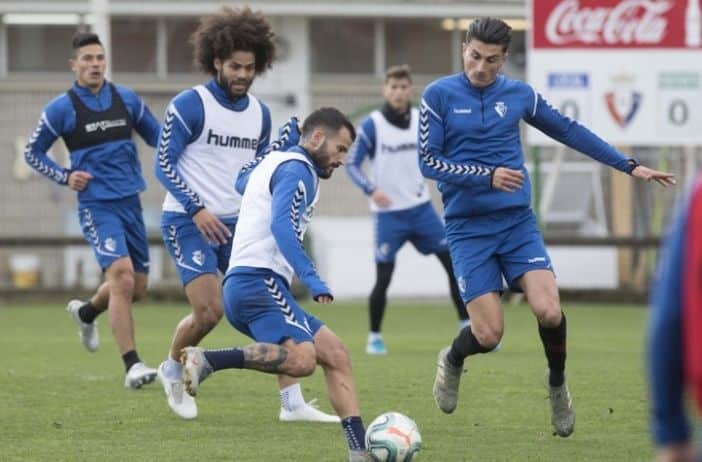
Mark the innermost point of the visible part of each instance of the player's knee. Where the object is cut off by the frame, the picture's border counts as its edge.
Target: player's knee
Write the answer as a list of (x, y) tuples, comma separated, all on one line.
[(338, 357), (208, 314), (301, 363), (122, 282), (488, 334), (550, 316)]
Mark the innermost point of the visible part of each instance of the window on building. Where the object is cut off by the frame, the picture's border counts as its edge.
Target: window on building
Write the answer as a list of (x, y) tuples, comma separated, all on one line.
[(34, 48), (133, 45), (342, 46), (423, 44), (180, 52)]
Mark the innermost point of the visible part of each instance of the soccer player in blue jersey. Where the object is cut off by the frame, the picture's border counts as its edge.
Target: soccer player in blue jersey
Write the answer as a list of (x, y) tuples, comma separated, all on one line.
[(675, 333), (399, 197), (96, 119), (209, 132), (469, 142), (279, 195)]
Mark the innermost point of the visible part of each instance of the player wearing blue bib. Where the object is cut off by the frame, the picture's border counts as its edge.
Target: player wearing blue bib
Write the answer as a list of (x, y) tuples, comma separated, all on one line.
[(209, 133), (469, 142), (399, 197), (279, 195), (96, 120)]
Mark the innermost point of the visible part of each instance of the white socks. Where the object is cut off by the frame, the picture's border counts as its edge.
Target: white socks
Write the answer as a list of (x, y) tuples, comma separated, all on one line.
[(291, 397), (373, 336)]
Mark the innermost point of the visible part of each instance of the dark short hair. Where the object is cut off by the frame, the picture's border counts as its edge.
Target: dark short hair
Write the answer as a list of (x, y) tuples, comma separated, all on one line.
[(492, 31), (328, 118), (402, 71), (230, 30), (82, 39)]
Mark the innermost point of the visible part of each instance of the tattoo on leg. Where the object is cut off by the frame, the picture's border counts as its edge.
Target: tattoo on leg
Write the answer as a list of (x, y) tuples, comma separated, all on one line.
[(264, 357)]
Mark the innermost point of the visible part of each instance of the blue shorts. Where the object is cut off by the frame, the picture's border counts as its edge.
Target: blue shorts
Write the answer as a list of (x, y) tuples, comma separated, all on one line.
[(190, 251), (486, 248), (420, 225), (258, 303), (115, 229)]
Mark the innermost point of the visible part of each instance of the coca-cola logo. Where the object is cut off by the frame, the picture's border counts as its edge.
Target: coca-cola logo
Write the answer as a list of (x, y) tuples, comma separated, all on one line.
[(630, 22)]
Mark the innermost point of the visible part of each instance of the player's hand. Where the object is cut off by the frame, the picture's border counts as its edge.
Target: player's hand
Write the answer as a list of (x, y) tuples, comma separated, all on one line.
[(78, 180), (209, 225), (506, 179), (648, 174), (676, 453), (324, 299), (381, 199)]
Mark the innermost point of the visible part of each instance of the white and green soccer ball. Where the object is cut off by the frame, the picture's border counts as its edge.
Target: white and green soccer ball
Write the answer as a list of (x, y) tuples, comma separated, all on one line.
[(393, 437)]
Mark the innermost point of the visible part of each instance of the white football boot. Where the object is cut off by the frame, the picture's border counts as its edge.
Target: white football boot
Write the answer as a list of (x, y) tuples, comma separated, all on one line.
[(309, 412), (562, 413), (178, 400), (88, 332), (139, 374), (195, 368)]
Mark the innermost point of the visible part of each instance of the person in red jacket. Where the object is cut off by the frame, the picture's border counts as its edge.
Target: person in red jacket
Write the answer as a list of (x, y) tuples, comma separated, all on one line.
[(675, 333)]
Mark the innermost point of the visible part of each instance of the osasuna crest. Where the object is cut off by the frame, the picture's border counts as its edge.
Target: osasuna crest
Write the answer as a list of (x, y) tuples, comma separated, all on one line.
[(501, 108), (199, 257), (462, 284), (623, 102), (110, 244)]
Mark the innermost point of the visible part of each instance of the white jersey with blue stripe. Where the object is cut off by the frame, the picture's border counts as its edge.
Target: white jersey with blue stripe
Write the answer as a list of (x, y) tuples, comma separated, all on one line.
[(209, 165), (255, 244)]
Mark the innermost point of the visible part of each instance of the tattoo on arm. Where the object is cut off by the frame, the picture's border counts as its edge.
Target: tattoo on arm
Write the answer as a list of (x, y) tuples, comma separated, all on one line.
[(265, 357)]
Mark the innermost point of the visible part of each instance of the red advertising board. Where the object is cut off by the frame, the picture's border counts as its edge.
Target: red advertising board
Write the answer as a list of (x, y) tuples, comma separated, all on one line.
[(616, 24)]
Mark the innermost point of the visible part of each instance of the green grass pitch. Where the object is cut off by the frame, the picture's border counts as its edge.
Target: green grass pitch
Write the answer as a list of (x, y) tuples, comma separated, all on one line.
[(61, 403)]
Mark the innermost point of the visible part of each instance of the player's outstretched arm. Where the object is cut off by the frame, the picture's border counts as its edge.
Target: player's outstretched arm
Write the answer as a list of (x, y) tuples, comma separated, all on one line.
[(648, 174), (569, 132)]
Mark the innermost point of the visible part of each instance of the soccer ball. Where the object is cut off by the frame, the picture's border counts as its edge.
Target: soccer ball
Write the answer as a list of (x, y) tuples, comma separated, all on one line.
[(393, 437)]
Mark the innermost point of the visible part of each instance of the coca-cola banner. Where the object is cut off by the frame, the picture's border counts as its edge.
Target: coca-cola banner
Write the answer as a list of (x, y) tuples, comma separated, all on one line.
[(631, 70), (613, 23)]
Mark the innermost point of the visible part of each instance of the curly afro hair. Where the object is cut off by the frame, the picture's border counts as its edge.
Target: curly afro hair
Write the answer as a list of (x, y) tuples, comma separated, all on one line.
[(230, 30)]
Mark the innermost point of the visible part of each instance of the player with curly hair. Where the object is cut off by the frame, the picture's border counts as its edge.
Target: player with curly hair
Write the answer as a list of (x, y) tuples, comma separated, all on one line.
[(209, 132)]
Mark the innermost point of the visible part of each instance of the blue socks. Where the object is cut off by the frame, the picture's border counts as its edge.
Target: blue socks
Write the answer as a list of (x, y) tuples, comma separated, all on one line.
[(226, 358), (354, 432)]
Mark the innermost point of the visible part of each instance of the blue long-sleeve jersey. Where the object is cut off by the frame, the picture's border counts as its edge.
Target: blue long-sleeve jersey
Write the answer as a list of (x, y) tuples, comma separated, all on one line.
[(363, 148), (669, 422), (287, 212), (466, 132), (114, 165), (183, 124)]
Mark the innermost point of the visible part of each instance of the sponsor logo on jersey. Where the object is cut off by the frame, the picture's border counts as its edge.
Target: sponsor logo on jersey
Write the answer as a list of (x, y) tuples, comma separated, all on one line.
[(402, 147), (105, 125), (457, 110), (227, 141)]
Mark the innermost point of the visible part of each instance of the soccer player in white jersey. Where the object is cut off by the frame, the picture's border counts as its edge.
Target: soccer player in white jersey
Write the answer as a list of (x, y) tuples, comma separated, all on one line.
[(279, 196), (399, 197), (209, 132)]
